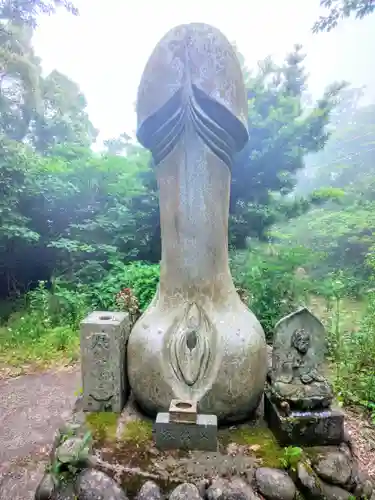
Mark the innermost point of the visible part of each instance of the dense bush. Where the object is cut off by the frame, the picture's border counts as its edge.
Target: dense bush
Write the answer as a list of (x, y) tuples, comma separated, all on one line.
[(274, 279), (352, 349)]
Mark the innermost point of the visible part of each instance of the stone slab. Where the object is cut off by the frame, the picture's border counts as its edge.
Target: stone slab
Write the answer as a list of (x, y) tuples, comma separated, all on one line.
[(104, 336), (201, 435), (309, 428)]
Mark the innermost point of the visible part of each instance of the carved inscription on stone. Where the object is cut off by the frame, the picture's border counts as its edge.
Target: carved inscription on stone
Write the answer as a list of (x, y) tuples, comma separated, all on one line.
[(101, 363)]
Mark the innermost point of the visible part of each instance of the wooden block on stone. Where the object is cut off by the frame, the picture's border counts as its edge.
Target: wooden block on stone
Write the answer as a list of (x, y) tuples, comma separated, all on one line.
[(104, 336)]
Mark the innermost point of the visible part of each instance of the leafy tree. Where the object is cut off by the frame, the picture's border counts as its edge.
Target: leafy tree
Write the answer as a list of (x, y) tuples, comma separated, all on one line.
[(343, 231), (19, 80), (347, 161), (62, 118), (37, 110), (282, 131), (341, 9), (25, 12)]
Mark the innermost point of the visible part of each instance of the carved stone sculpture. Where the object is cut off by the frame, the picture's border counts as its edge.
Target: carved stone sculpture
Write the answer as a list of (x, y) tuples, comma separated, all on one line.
[(296, 377), (196, 341)]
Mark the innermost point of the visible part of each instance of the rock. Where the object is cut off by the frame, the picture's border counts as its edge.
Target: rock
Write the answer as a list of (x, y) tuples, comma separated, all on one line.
[(66, 492), (331, 492), (202, 486), (235, 489), (275, 484), (335, 468), (92, 484), (365, 489), (149, 491), (45, 488), (362, 485), (185, 491), (309, 481)]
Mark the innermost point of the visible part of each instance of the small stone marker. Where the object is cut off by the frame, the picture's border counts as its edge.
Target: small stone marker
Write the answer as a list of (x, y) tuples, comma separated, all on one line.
[(104, 336), (183, 428)]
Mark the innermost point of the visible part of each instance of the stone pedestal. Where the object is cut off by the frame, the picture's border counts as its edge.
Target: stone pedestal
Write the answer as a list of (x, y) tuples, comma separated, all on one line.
[(305, 428), (201, 435), (104, 337)]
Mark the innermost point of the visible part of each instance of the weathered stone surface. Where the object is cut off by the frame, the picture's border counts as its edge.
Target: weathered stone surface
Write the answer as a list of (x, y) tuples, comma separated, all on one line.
[(65, 492), (197, 340), (225, 489), (149, 491), (103, 361), (179, 435), (310, 428), (334, 468), (331, 492), (185, 491), (275, 484), (203, 486), (45, 488), (92, 484), (297, 358), (309, 482), (361, 485)]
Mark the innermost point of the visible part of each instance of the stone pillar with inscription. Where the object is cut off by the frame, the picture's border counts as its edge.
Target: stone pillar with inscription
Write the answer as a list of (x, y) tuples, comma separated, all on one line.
[(197, 340), (104, 336)]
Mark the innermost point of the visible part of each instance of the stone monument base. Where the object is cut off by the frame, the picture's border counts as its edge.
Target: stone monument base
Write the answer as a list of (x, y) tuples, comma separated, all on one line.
[(304, 428), (200, 435)]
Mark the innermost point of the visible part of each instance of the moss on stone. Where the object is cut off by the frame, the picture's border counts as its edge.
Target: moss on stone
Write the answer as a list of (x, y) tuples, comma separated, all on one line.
[(260, 440), (103, 425), (137, 432)]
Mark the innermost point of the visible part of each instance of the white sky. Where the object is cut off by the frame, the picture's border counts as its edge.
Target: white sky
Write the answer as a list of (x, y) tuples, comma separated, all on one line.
[(105, 49)]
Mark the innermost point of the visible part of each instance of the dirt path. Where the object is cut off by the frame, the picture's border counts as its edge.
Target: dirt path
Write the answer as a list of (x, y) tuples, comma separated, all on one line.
[(32, 408)]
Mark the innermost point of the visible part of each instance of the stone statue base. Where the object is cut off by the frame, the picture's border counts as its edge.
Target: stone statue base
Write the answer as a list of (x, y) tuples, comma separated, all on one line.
[(299, 396), (304, 428)]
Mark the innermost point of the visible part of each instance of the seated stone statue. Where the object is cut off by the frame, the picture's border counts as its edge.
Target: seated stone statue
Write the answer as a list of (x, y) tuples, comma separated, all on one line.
[(297, 380)]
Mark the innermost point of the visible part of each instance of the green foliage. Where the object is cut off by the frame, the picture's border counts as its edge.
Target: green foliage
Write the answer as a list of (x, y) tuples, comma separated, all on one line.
[(64, 468), (291, 457), (140, 277), (47, 327), (40, 333), (282, 131), (27, 12), (274, 279), (138, 432), (341, 9), (353, 354)]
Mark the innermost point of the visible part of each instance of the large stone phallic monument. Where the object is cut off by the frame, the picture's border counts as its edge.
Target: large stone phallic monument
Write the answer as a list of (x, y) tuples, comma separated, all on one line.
[(196, 341)]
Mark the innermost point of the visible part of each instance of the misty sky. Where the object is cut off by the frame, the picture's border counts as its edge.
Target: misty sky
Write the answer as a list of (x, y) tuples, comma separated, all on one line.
[(105, 49)]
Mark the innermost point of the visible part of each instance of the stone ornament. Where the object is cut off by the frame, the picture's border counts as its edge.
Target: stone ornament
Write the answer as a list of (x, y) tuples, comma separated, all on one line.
[(298, 353), (196, 341)]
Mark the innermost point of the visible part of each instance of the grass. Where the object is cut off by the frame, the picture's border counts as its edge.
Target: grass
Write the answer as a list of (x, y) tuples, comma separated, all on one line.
[(103, 425), (260, 441), (138, 432), (29, 341)]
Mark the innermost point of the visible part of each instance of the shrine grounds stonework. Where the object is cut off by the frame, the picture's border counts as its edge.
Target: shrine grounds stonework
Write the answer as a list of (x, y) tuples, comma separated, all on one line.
[(124, 462)]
